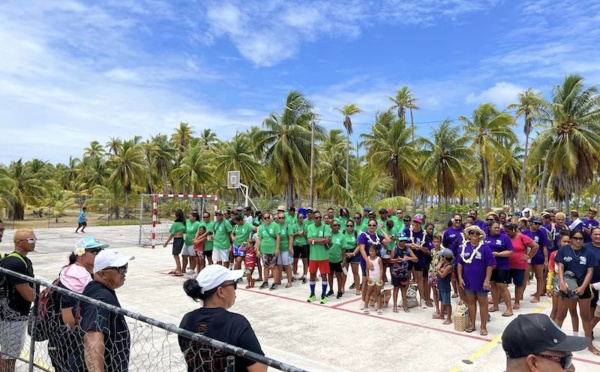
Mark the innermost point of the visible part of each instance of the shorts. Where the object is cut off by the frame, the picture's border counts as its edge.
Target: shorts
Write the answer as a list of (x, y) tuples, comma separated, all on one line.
[(537, 260), (12, 338), (177, 246), (386, 254), (594, 298), (597, 312), (188, 250), (301, 251), (500, 276), (200, 255), (322, 266), (81, 224), (237, 252), (248, 270), (399, 282), (374, 282), (422, 269), (335, 267), (517, 276), (444, 297), (269, 260), (220, 255), (352, 260), (283, 258), (476, 293)]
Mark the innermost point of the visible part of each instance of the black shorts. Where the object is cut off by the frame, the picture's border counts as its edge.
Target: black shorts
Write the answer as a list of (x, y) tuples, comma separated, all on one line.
[(335, 267), (595, 299), (177, 246), (500, 276), (301, 251), (587, 294), (397, 282), (80, 224), (517, 276), (420, 269)]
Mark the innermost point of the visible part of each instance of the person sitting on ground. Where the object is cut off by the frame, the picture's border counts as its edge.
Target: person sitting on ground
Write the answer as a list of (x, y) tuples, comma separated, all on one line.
[(215, 287), (533, 342)]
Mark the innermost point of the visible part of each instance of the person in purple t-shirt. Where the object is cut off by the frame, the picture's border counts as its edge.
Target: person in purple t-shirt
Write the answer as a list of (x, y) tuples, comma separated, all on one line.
[(502, 248), (449, 240), (477, 222), (475, 265), (365, 241), (588, 223), (416, 237), (540, 260)]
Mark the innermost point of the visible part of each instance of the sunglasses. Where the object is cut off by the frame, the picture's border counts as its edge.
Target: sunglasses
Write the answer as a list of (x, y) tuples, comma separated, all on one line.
[(537, 223), (121, 270), (318, 217), (577, 238), (266, 217), (473, 233), (250, 242), (29, 240), (280, 218), (94, 251), (335, 225), (458, 221), (357, 218), (234, 284), (218, 215), (489, 219), (565, 360), (349, 225), (398, 212), (372, 225)]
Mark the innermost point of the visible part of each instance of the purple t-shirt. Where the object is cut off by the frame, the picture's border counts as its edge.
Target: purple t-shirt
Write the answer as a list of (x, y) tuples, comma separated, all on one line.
[(451, 236), (480, 223), (588, 224), (474, 272), (418, 239), (541, 238), (500, 243), (362, 239)]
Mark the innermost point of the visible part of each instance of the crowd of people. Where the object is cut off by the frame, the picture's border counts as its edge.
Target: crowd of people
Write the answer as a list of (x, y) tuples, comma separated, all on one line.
[(365, 252)]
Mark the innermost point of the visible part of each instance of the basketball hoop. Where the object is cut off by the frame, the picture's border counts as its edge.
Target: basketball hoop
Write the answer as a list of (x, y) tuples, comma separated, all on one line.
[(233, 179)]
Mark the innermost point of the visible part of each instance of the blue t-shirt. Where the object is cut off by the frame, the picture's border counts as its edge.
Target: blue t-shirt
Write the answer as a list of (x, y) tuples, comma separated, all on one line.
[(81, 218), (576, 261), (443, 284), (596, 252), (500, 243)]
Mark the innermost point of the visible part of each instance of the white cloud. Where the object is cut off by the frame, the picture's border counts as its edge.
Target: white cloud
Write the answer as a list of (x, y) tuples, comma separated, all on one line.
[(501, 94)]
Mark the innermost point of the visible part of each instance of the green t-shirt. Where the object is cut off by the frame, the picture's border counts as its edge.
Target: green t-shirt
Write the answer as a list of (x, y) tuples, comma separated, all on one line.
[(318, 252), (363, 227), (284, 234), (342, 221), (351, 240), (393, 233), (299, 240), (190, 231), (268, 237), (177, 227), (309, 222), (242, 233), (338, 242), (208, 245), (221, 232), (291, 220)]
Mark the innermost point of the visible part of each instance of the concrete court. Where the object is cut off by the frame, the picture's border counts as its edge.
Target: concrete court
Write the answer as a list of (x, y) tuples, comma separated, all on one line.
[(331, 337)]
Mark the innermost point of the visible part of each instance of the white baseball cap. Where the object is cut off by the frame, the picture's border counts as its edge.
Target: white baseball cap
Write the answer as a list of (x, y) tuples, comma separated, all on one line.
[(214, 275), (109, 258), (526, 210)]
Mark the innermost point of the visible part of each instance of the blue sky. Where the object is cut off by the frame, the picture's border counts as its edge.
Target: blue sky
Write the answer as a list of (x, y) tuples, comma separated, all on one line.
[(76, 71)]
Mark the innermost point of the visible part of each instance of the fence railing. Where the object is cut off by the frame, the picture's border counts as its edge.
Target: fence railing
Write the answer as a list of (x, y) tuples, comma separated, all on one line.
[(153, 344)]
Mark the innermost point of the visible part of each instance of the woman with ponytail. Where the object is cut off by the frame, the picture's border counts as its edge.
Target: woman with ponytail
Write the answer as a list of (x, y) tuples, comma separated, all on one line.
[(215, 287)]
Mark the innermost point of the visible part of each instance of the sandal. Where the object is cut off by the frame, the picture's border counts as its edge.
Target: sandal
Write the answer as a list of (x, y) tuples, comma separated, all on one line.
[(177, 274), (470, 330), (483, 332), (289, 285), (379, 312), (406, 309), (507, 314), (395, 310), (493, 309)]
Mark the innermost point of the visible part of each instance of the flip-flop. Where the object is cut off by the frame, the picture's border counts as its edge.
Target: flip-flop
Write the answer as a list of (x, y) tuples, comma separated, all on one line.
[(177, 274), (289, 285), (470, 330), (492, 310), (534, 301), (395, 310), (507, 315), (171, 272), (516, 307), (483, 332)]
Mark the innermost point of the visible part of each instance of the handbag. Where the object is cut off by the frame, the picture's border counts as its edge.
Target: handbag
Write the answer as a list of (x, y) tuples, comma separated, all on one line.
[(571, 282), (461, 317), (411, 296)]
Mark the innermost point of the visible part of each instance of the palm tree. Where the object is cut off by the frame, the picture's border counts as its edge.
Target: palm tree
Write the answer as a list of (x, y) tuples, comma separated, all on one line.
[(389, 148), (193, 171), (163, 155), (95, 150), (509, 160), (208, 138), (331, 168), (402, 101), (237, 155), (572, 139), (530, 107), (489, 130), (128, 168), (114, 144), (286, 141), (348, 110), (447, 158), (26, 187), (182, 137)]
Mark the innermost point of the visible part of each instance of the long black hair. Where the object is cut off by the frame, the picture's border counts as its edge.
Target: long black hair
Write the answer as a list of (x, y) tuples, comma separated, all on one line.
[(193, 290), (179, 217)]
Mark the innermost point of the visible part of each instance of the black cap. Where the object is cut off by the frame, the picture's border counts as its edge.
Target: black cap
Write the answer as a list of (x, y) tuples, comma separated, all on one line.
[(309, 209), (292, 209), (534, 333), (382, 211), (407, 218), (536, 219)]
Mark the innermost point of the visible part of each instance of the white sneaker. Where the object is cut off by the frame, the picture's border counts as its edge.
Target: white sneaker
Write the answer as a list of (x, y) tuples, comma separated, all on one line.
[(423, 304), (362, 305), (191, 272)]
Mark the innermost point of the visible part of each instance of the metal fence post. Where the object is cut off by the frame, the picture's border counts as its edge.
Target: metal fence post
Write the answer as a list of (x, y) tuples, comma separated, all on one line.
[(32, 319), (230, 364)]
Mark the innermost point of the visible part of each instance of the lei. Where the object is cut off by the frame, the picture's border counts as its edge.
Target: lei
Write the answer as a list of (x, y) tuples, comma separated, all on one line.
[(377, 242), (475, 250), (412, 239)]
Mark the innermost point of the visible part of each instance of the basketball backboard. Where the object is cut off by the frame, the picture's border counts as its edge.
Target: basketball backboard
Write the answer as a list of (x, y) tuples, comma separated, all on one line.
[(233, 179)]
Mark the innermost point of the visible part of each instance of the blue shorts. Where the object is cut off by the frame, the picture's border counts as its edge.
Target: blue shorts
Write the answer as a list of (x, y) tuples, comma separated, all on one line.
[(352, 260), (237, 252), (444, 297)]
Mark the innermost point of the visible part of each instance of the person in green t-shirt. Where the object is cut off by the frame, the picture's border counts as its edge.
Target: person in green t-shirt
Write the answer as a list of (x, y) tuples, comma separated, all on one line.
[(360, 223), (222, 234), (398, 219), (208, 245), (337, 259), (286, 251), (191, 228), (290, 216), (300, 246), (267, 248), (310, 216), (352, 255), (319, 238), (241, 232), (176, 232)]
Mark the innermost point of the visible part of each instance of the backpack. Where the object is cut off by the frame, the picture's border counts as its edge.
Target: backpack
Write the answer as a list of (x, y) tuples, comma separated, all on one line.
[(4, 291), (550, 235), (48, 313)]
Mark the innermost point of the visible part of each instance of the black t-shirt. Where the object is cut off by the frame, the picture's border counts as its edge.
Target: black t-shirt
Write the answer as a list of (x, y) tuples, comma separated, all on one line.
[(221, 325), (16, 303), (117, 341)]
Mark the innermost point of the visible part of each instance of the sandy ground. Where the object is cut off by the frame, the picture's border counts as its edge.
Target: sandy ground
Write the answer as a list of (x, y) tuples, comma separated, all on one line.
[(332, 337)]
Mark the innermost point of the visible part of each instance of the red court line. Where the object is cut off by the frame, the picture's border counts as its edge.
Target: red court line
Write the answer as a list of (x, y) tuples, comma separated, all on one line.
[(586, 361), (375, 316), (359, 298)]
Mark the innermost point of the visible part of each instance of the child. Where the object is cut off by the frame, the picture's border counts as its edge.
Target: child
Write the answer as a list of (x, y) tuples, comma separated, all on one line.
[(444, 274), (399, 260), (249, 261), (199, 241), (374, 280), (435, 260)]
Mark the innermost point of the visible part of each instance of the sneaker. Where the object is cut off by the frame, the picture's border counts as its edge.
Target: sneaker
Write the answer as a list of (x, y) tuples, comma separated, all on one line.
[(323, 300), (352, 286), (274, 286), (264, 285), (190, 272), (312, 298), (379, 312), (303, 280), (330, 293), (423, 304), (339, 295), (362, 305), (294, 279), (366, 310)]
